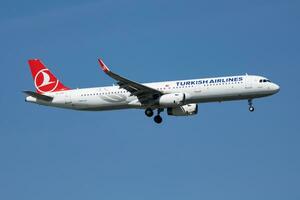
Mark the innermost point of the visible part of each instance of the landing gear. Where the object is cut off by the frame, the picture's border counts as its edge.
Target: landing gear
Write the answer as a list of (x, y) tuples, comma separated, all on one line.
[(250, 103), (251, 109), (158, 119), (149, 112)]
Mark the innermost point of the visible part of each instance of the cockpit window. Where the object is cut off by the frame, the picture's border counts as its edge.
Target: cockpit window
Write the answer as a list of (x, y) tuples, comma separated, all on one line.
[(264, 81)]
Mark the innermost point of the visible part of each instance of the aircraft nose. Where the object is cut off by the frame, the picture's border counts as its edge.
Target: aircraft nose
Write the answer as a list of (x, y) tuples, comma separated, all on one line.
[(276, 88)]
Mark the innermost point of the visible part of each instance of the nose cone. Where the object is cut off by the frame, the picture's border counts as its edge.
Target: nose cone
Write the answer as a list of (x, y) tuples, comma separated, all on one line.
[(275, 88)]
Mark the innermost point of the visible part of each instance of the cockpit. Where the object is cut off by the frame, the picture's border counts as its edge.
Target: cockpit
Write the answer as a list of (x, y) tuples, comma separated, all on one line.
[(265, 84), (264, 81)]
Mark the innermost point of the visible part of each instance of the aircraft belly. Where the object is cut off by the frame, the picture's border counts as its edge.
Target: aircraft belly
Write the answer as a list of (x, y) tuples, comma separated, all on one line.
[(104, 102)]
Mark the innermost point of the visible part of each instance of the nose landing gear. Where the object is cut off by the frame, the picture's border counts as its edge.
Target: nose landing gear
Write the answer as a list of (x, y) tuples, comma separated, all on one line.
[(251, 107)]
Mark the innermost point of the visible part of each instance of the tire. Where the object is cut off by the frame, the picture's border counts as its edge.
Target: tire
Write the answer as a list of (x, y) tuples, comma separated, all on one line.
[(149, 112), (251, 109), (158, 119)]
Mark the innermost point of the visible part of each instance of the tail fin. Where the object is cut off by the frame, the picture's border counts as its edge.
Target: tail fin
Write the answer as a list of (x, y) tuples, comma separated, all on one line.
[(44, 80)]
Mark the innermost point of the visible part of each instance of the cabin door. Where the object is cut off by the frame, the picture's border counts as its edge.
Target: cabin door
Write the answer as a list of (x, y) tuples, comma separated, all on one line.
[(248, 83)]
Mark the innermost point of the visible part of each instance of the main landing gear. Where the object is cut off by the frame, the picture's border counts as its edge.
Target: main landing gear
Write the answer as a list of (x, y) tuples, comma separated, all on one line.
[(250, 103), (158, 119), (149, 113)]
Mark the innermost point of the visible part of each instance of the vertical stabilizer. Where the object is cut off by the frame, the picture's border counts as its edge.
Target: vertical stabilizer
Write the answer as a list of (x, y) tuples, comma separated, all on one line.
[(44, 80)]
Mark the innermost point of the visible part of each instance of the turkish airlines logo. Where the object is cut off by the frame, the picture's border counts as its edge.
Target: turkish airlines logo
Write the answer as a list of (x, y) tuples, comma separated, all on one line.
[(45, 82)]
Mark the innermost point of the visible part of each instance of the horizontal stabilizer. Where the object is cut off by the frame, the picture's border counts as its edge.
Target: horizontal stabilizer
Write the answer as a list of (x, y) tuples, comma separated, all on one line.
[(38, 96)]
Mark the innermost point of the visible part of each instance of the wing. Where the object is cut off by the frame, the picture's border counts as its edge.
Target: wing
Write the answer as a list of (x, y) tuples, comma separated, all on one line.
[(145, 94)]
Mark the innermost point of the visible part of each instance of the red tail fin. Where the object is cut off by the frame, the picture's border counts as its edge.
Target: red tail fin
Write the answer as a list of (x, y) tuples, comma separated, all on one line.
[(44, 80)]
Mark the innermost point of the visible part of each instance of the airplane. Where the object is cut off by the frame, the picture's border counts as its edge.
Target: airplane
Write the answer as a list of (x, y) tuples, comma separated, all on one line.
[(179, 98)]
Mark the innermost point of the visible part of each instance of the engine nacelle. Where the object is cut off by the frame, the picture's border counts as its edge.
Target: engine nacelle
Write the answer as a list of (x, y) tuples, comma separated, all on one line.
[(186, 110), (172, 100)]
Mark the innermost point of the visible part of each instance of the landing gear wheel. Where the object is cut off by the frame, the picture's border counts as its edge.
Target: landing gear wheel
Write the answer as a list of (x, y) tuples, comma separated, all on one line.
[(251, 109), (250, 103), (149, 112), (158, 119)]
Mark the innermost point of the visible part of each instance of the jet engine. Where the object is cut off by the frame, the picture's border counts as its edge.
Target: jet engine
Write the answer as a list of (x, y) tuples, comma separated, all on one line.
[(172, 100), (186, 110)]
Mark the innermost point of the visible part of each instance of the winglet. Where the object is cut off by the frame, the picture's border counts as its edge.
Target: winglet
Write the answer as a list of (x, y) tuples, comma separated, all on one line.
[(103, 66)]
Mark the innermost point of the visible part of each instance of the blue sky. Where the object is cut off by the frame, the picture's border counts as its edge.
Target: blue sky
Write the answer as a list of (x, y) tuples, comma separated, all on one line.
[(225, 152)]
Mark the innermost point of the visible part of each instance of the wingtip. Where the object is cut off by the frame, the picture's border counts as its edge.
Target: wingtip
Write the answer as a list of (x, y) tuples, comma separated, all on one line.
[(103, 66)]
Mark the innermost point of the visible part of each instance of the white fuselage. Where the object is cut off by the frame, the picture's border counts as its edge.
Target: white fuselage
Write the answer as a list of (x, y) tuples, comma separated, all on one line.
[(196, 91)]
